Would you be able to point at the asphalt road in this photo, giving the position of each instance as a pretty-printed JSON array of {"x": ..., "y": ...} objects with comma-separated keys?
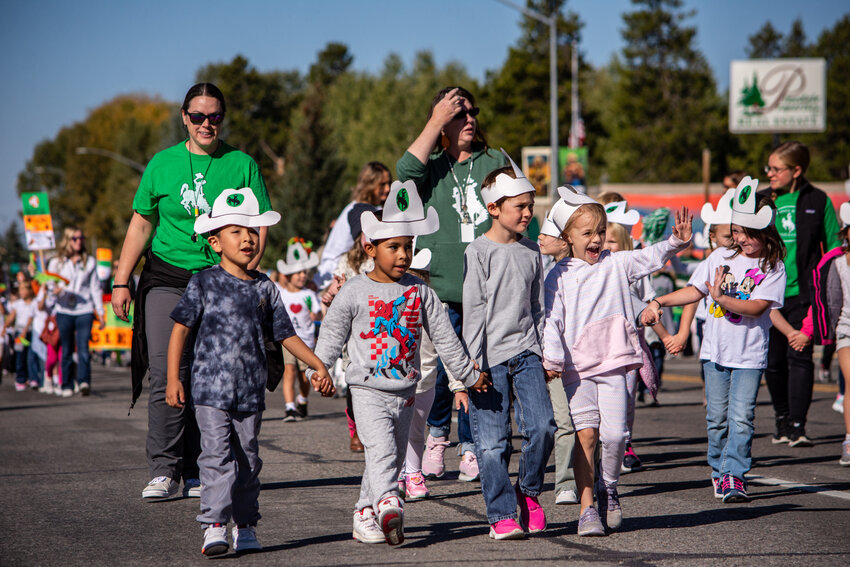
[{"x": 72, "y": 470}]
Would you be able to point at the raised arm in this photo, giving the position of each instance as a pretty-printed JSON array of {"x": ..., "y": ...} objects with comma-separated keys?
[{"x": 442, "y": 114}]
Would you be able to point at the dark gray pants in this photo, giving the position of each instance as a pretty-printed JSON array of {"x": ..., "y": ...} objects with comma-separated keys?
[
  {"x": 230, "y": 466},
  {"x": 174, "y": 442}
]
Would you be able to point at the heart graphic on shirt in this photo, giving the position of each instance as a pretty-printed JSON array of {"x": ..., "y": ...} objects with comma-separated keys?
[{"x": 295, "y": 307}]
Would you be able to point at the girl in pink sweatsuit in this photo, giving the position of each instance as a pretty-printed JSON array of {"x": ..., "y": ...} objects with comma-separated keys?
[{"x": 589, "y": 341}]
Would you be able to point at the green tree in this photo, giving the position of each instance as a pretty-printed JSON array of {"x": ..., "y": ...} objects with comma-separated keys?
[
  {"x": 12, "y": 248},
  {"x": 766, "y": 43},
  {"x": 515, "y": 98},
  {"x": 310, "y": 193},
  {"x": 833, "y": 146},
  {"x": 665, "y": 105}
]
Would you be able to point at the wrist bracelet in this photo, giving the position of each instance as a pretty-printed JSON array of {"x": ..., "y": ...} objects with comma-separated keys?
[
  {"x": 653, "y": 299},
  {"x": 126, "y": 286}
]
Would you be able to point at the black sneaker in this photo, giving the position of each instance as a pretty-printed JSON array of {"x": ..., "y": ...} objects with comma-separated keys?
[
  {"x": 291, "y": 415},
  {"x": 797, "y": 436},
  {"x": 734, "y": 490},
  {"x": 781, "y": 435},
  {"x": 301, "y": 409}
]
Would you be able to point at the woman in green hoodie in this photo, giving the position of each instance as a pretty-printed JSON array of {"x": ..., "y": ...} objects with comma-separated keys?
[{"x": 448, "y": 162}]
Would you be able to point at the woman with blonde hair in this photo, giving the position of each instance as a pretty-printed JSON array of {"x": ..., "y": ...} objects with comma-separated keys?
[{"x": 78, "y": 304}]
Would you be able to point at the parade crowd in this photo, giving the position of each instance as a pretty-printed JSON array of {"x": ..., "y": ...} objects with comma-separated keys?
[{"x": 428, "y": 298}]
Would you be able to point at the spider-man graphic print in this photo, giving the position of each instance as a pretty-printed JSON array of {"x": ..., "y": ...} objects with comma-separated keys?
[{"x": 395, "y": 330}]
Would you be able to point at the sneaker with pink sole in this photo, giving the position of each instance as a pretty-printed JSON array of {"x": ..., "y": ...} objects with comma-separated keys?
[
  {"x": 415, "y": 488},
  {"x": 531, "y": 512},
  {"x": 433, "y": 465},
  {"x": 468, "y": 467},
  {"x": 506, "y": 529}
]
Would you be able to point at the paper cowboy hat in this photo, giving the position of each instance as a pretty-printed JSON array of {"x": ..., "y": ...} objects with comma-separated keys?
[
  {"x": 235, "y": 206},
  {"x": 403, "y": 215},
  {"x": 722, "y": 214},
  {"x": 702, "y": 239},
  {"x": 552, "y": 228},
  {"x": 844, "y": 215},
  {"x": 617, "y": 213},
  {"x": 568, "y": 204},
  {"x": 507, "y": 186},
  {"x": 744, "y": 205},
  {"x": 298, "y": 258},
  {"x": 421, "y": 260}
]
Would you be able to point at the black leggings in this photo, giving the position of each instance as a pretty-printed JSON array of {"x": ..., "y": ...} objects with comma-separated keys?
[{"x": 790, "y": 375}]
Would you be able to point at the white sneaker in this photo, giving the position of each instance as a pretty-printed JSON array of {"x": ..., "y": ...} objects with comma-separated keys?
[
  {"x": 215, "y": 540},
  {"x": 47, "y": 388},
  {"x": 568, "y": 496},
  {"x": 838, "y": 404},
  {"x": 366, "y": 527},
  {"x": 65, "y": 393},
  {"x": 160, "y": 487},
  {"x": 192, "y": 489},
  {"x": 391, "y": 519},
  {"x": 245, "y": 539}
]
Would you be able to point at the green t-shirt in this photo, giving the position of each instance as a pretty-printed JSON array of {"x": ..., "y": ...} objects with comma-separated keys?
[
  {"x": 786, "y": 225},
  {"x": 437, "y": 185},
  {"x": 178, "y": 186}
]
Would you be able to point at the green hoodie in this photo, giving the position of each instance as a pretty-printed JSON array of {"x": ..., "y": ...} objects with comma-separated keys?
[{"x": 438, "y": 189}]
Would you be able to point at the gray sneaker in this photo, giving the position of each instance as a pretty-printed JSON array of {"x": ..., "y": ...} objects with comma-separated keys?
[
  {"x": 161, "y": 487},
  {"x": 589, "y": 523},
  {"x": 610, "y": 512},
  {"x": 245, "y": 539},
  {"x": 845, "y": 454}
]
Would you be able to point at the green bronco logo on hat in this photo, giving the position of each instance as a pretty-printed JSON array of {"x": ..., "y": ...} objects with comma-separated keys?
[
  {"x": 402, "y": 200},
  {"x": 745, "y": 194},
  {"x": 611, "y": 208},
  {"x": 235, "y": 200}
]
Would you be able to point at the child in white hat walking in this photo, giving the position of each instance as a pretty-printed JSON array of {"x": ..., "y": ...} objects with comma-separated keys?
[
  {"x": 232, "y": 309},
  {"x": 381, "y": 315}
]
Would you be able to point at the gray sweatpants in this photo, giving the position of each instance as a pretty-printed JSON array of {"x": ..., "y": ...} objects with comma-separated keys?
[
  {"x": 230, "y": 466},
  {"x": 565, "y": 438},
  {"x": 173, "y": 442},
  {"x": 383, "y": 425}
]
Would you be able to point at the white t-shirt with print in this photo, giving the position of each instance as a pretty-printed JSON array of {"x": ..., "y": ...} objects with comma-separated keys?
[
  {"x": 731, "y": 339},
  {"x": 299, "y": 305}
]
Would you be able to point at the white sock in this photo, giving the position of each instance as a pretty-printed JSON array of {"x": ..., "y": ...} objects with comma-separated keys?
[
  {"x": 301, "y": 399},
  {"x": 290, "y": 406},
  {"x": 847, "y": 438}
]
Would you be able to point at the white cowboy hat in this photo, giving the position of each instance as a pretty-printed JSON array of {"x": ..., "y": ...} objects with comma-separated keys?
[
  {"x": 421, "y": 260},
  {"x": 403, "y": 215},
  {"x": 297, "y": 259},
  {"x": 559, "y": 211},
  {"x": 567, "y": 205},
  {"x": 235, "y": 206},
  {"x": 744, "y": 205},
  {"x": 616, "y": 212},
  {"x": 507, "y": 186},
  {"x": 722, "y": 214},
  {"x": 844, "y": 214},
  {"x": 702, "y": 239}
]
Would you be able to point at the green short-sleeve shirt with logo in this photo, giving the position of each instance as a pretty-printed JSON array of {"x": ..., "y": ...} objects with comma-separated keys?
[{"x": 178, "y": 186}]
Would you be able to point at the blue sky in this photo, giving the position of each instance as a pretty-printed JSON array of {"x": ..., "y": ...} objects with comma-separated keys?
[{"x": 63, "y": 59}]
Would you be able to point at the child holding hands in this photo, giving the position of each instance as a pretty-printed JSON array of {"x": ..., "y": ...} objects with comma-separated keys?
[
  {"x": 232, "y": 309},
  {"x": 381, "y": 315},
  {"x": 589, "y": 341},
  {"x": 502, "y": 327}
]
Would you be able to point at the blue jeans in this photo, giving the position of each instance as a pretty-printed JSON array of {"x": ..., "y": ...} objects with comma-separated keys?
[
  {"x": 440, "y": 417},
  {"x": 731, "y": 395},
  {"x": 35, "y": 367},
  {"x": 75, "y": 330},
  {"x": 489, "y": 414},
  {"x": 21, "y": 367}
]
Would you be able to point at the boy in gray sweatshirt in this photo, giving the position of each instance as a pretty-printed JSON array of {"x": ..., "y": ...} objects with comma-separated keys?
[
  {"x": 502, "y": 328},
  {"x": 381, "y": 314}
]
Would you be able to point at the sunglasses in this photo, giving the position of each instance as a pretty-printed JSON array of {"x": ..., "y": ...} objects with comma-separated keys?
[
  {"x": 198, "y": 118},
  {"x": 463, "y": 113},
  {"x": 77, "y": 238},
  {"x": 771, "y": 169}
]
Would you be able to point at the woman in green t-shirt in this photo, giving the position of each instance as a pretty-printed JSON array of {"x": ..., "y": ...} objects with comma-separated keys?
[{"x": 179, "y": 183}]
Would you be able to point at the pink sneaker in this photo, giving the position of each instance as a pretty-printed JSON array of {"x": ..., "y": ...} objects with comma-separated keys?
[
  {"x": 20, "y": 387},
  {"x": 468, "y": 467},
  {"x": 414, "y": 487},
  {"x": 531, "y": 512},
  {"x": 506, "y": 529},
  {"x": 432, "y": 460}
]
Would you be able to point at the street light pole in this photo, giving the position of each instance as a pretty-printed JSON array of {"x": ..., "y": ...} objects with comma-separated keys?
[
  {"x": 552, "y": 22},
  {"x": 117, "y": 157}
]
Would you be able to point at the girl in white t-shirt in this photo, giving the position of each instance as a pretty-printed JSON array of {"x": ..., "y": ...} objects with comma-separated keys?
[
  {"x": 304, "y": 309},
  {"x": 744, "y": 282}
]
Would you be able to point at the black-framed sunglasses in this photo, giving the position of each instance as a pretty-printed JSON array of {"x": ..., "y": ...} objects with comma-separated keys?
[
  {"x": 771, "y": 169},
  {"x": 199, "y": 117},
  {"x": 463, "y": 113}
]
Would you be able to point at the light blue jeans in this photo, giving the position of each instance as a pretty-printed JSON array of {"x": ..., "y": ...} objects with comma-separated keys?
[
  {"x": 489, "y": 415},
  {"x": 731, "y": 395}
]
